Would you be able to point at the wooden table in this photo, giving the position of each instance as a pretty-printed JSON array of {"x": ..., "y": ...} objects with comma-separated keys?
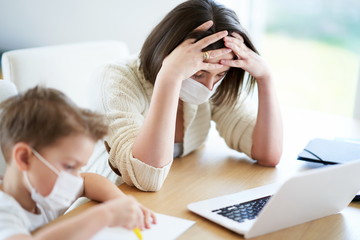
[{"x": 216, "y": 170}]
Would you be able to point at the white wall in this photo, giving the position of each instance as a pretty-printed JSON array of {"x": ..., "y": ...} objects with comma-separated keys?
[
  {"x": 32, "y": 23},
  {"x": 252, "y": 16},
  {"x": 357, "y": 99}
]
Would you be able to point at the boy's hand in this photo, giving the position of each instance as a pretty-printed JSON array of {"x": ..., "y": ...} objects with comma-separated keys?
[
  {"x": 149, "y": 216},
  {"x": 125, "y": 212}
]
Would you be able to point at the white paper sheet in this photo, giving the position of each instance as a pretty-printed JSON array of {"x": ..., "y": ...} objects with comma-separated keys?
[{"x": 167, "y": 228}]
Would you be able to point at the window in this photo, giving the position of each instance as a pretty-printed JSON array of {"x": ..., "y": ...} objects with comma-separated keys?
[{"x": 312, "y": 46}]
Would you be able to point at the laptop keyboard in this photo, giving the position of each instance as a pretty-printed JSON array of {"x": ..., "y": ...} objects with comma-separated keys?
[{"x": 243, "y": 211}]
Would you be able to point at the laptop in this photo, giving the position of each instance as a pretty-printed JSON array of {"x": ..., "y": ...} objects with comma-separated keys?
[{"x": 310, "y": 195}]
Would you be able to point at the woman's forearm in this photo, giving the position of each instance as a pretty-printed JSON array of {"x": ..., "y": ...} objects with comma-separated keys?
[
  {"x": 154, "y": 143},
  {"x": 268, "y": 131}
]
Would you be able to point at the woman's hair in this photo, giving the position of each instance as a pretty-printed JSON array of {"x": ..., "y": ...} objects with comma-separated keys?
[
  {"x": 41, "y": 116},
  {"x": 178, "y": 25}
]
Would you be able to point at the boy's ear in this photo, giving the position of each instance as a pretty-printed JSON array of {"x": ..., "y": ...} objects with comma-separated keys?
[{"x": 21, "y": 156}]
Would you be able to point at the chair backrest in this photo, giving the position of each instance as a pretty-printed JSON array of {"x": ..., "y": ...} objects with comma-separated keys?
[
  {"x": 7, "y": 89},
  {"x": 68, "y": 68}
]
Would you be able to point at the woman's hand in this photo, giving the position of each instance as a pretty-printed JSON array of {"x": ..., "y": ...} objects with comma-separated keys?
[
  {"x": 187, "y": 58},
  {"x": 246, "y": 58},
  {"x": 268, "y": 132}
]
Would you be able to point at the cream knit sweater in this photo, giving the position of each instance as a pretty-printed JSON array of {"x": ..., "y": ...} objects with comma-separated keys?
[{"x": 126, "y": 97}]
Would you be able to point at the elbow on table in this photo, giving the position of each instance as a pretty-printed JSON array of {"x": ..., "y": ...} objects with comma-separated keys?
[
  {"x": 148, "y": 177},
  {"x": 271, "y": 162},
  {"x": 268, "y": 158},
  {"x": 148, "y": 188}
]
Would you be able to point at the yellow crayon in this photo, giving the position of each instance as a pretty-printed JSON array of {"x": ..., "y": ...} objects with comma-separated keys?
[{"x": 137, "y": 231}]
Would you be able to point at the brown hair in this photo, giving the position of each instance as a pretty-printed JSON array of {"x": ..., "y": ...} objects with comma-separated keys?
[
  {"x": 40, "y": 116},
  {"x": 178, "y": 25}
]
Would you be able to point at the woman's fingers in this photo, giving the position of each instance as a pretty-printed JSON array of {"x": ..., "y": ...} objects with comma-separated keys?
[
  {"x": 205, "y": 26},
  {"x": 208, "y": 65},
  {"x": 218, "y": 52},
  {"x": 237, "y": 46},
  {"x": 233, "y": 63},
  {"x": 211, "y": 66},
  {"x": 202, "y": 28},
  {"x": 238, "y": 36},
  {"x": 203, "y": 43}
]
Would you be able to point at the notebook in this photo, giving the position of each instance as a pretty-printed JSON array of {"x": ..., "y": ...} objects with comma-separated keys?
[
  {"x": 330, "y": 151},
  {"x": 310, "y": 195},
  {"x": 167, "y": 228}
]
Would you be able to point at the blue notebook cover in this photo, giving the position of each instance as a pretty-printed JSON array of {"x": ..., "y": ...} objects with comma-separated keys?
[{"x": 330, "y": 151}]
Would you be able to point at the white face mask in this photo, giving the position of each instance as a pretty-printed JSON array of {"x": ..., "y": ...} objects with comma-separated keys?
[
  {"x": 66, "y": 189},
  {"x": 196, "y": 93}
]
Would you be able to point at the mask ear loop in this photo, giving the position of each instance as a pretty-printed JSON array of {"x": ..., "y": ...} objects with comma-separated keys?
[
  {"x": 27, "y": 181},
  {"x": 32, "y": 189},
  {"x": 43, "y": 160}
]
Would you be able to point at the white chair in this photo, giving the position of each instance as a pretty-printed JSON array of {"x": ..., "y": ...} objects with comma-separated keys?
[
  {"x": 7, "y": 89},
  {"x": 64, "y": 67},
  {"x": 68, "y": 68}
]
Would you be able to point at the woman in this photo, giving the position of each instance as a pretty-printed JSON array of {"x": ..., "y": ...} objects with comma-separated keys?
[{"x": 159, "y": 106}]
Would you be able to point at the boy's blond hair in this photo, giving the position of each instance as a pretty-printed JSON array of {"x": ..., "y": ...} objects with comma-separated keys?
[{"x": 40, "y": 116}]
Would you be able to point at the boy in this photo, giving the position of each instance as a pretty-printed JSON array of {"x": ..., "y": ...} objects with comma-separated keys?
[{"x": 45, "y": 140}]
